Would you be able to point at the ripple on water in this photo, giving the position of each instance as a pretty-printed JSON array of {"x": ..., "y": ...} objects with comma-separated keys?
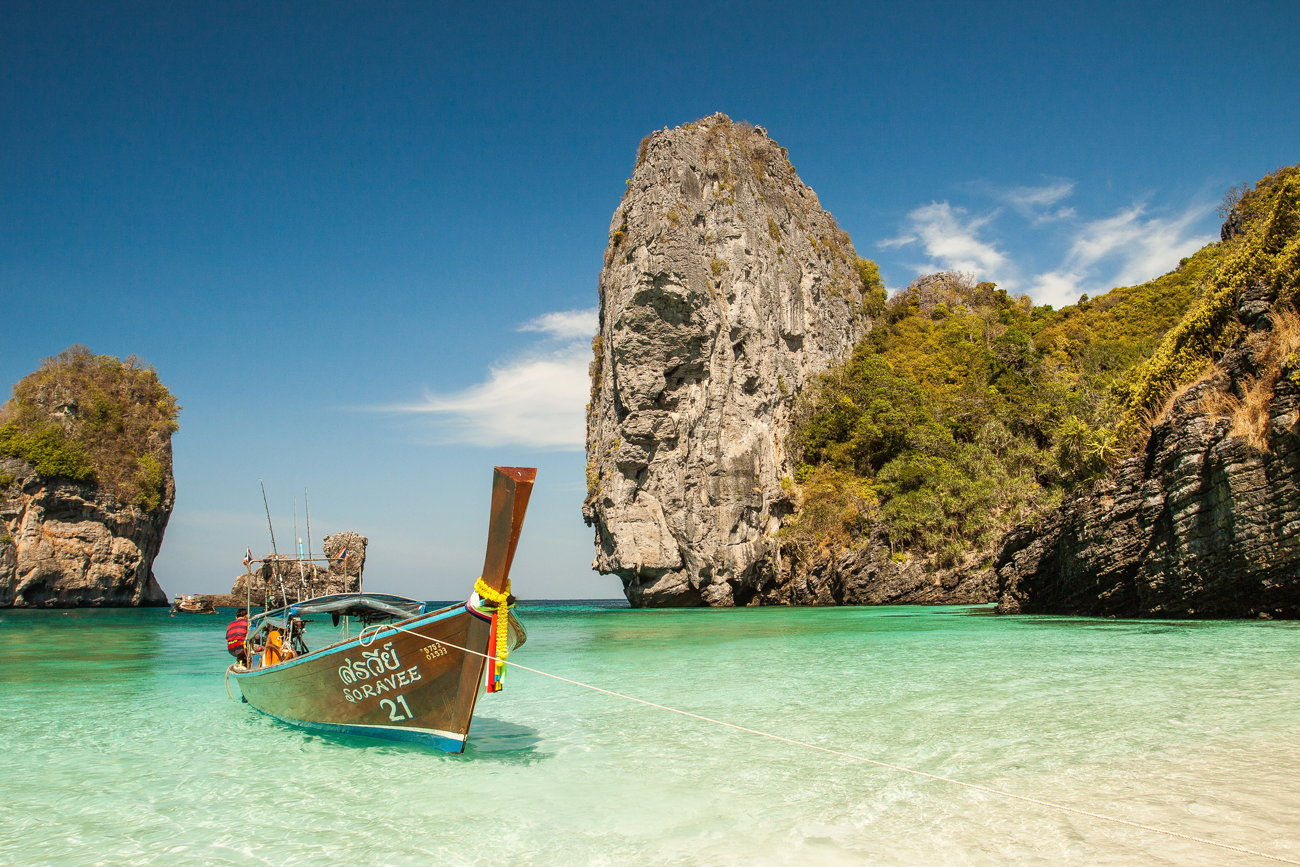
[{"x": 122, "y": 748}]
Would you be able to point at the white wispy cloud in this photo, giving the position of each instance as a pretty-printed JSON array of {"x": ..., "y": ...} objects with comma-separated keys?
[
  {"x": 537, "y": 401},
  {"x": 1121, "y": 250},
  {"x": 1059, "y": 288},
  {"x": 1035, "y": 203},
  {"x": 565, "y": 324},
  {"x": 1131, "y": 246},
  {"x": 1041, "y": 197},
  {"x": 951, "y": 239}
]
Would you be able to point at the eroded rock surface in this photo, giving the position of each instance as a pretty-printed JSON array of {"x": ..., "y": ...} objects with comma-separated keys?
[
  {"x": 1203, "y": 523},
  {"x": 65, "y": 543},
  {"x": 868, "y": 575},
  {"x": 726, "y": 287}
]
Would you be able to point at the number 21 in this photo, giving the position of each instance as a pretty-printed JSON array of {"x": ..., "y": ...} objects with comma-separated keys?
[{"x": 392, "y": 708}]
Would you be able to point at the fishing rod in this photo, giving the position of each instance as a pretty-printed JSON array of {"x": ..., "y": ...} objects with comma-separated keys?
[
  {"x": 302, "y": 580},
  {"x": 274, "y": 550}
]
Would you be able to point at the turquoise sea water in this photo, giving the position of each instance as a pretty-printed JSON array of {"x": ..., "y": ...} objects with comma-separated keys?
[{"x": 120, "y": 745}]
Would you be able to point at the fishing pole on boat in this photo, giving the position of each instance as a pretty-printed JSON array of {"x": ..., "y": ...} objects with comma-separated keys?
[
  {"x": 302, "y": 578},
  {"x": 274, "y": 550},
  {"x": 306, "y": 507}
]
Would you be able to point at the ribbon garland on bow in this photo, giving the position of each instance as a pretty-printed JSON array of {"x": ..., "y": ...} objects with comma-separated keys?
[{"x": 496, "y": 670}]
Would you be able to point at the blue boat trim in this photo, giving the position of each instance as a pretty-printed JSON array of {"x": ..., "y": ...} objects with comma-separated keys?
[{"x": 446, "y": 741}]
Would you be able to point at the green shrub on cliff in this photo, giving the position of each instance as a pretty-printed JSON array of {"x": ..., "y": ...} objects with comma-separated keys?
[
  {"x": 48, "y": 447},
  {"x": 1265, "y": 252},
  {"x": 965, "y": 409},
  {"x": 94, "y": 417}
]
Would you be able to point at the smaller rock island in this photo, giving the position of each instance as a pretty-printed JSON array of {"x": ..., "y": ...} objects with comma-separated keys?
[
  {"x": 86, "y": 485},
  {"x": 282, "y": 579}
]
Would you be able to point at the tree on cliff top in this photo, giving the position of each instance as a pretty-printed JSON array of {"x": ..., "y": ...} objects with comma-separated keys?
[{"x": 94, "y": 418}]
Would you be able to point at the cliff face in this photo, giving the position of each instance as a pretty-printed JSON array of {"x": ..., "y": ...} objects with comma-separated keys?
[
  {"x": 66, "y": 543},
  {"x": 1205, "y": 520},
  {"x": 726, "y": 287}
]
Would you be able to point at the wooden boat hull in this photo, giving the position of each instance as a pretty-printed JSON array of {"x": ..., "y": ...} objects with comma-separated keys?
[{"x": 402, "y": 685}]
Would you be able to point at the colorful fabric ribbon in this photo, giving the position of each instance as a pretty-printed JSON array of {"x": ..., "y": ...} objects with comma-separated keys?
[{"x": 499, "y": 634}]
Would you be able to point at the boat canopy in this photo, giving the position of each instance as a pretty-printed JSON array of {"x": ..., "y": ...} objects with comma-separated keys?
[{"x": 367, "y": 607}]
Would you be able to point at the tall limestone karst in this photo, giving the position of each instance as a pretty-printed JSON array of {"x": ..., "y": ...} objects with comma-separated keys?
[
  {"x": 726, "y": 287},
  {"x": 86, "y": 484}
]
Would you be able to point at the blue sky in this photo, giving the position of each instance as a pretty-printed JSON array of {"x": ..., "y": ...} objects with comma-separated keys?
[{"x": 360, "y": 242}]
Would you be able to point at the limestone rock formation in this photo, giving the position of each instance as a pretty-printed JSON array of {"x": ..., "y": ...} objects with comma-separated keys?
[
  {"x": 1205, "y": 522},
  {"x": 283, "y": 577},
  {"x": 726, "y": 287},
  {"x": 86, "y": 485},
  {"x": 868, "y": 575},
  {"x": 68, "y": 543}
]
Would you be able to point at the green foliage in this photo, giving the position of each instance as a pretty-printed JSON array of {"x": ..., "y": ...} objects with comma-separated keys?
[
  {"x": 94, "y": 417},
  {"x": 874, "y": 294},
  {"x": 948, "y": 505},
  {"x": 6, "y": 479},
  {"x": 48, "y": 448},
  {"x": 595, "y": 370},
  {"x": 1291, "y": 367},
  {"x": 717, "y": 266},
  {"x": 1084, "y": 452},
  {"x": 773, "y": 230},
  {"x": 837, "y": 510},
  {"x": 151, "y": 478},
  {"x": 1267, "y": 253},
  {"x": 966, "y": 409}
]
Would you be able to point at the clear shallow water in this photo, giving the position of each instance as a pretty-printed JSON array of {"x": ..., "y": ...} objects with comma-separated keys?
[{"x": 121, "y": 747}]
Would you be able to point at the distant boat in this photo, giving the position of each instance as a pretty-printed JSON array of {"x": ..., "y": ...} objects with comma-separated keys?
[
  {"x": 406, "y": 676},
  {"x": 193, "y": 605}
]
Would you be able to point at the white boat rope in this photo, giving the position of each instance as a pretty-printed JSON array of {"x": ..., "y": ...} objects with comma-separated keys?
[{"x": 978, "y": 788}]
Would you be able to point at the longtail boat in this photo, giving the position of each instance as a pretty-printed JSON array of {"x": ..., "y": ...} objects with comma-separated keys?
[
  {"x": 193, "y": 605},
  {"x": 407, "y": 676}
]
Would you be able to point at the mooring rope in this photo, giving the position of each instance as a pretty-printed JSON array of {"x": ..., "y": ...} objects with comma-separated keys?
[{"x": 973, "y": 786}]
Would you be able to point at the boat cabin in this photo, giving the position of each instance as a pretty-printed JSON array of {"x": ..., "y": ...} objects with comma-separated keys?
[{"x": 277, "y": 635}]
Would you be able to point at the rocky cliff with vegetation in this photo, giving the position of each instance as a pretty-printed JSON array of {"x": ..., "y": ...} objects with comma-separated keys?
[
  {"x": 726, "y": 289},
  {"x": 1203, "y": 518},
  {"x": 766, "y": 429},
  {"x": 86, "y": 484},
  {"x": 1133, "y": 454},
  {"x": 964, "y": 412}
]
